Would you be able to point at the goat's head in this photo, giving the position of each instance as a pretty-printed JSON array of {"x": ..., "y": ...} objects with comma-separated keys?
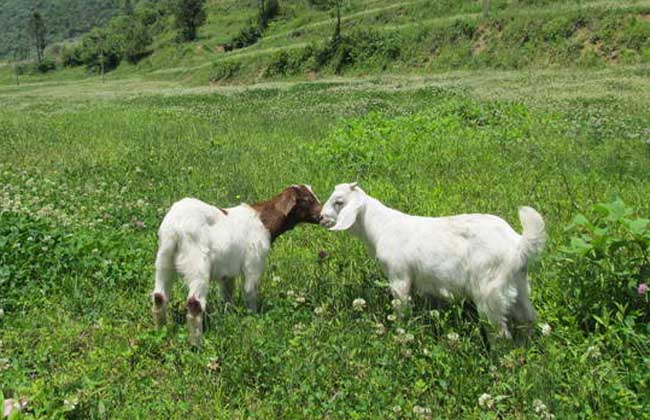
[
  {"x": 303, "y": 204},
  {"x": 341, "y": 209}
]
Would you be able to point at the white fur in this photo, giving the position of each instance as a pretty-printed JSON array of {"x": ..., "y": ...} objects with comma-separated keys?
[
  {"x": 477, "y": 256},
  {"x": 201, "y": 243}
]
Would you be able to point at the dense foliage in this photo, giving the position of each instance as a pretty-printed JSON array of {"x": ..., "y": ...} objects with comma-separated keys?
[
  {"x": 188, "y": 16},
  {"x": 64, "y": 19}
]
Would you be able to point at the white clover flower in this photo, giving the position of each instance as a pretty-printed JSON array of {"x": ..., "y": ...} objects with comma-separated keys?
[
  {"x": 319, "y": 310},
  {"x": 539, "y": 406},
  {"x": 546, "y": 329},
  {"x": 400, "y": 331},
  {"x": 396, "y": 304},
  {"x": 453, "y": 337},
  {"x": 71, "y": 403},
  {"x": 291, "y": 293},
  {"x": 4, "y": 364},
  {"x": 380, "y": 329},
  {"x": 434, "y": 314},
  {"x": 298, "y": 328},
  {"x": 397, "y": 409},
  {"x": 300, "y": 299},
  {"x": 593, "y": 352},
  {"x": 391, "y": 317},
  {"x": 359, "y": 304},
  {"x": 486, "y": 401},
  {"x": 213, "y": 364},
  {"x": 408, "y": 338},
  {"x": 275, "y": 279}
]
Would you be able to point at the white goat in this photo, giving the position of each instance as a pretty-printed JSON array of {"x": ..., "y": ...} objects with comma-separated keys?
[
  {"x": 202, "y": 243},
  {"x": 478, "y": 256}
]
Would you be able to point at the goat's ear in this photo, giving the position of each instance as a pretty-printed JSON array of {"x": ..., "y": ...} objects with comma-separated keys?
[
  {"x": 287, "y": 202},
  {"x": 347, "y": 216}
]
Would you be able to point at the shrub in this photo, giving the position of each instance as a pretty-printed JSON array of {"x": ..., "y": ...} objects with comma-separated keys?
[
  {"x": 46, "y": 65},
  {"x": 605, "y": 261}
]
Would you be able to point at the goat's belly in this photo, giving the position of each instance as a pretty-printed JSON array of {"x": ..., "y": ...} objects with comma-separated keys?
[
  {"x": 225, "y": 265},
  {"x": 437, "y": 287}
]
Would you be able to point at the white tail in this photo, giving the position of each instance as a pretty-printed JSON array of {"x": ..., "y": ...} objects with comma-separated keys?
[{"x": 534, "y": 234}]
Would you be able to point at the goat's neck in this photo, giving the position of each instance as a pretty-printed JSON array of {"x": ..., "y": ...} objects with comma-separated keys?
[{"x": 372, "y": 221}]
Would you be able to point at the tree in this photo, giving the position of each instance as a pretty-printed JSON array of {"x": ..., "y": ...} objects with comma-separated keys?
[
  {"x": 127, "y": 8},
  {"x": 36, "y": 30},
  {"x": 189, "y": 15}
]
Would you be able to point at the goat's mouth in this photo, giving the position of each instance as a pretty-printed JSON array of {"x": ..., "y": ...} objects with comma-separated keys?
[{"x": 328, "y": 223}]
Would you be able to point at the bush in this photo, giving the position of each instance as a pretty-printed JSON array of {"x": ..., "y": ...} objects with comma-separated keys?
[
  {"x": 71, "y": 56},
  {"x": 605, "y": 262},
  {"x": 246, "y": 37},
  {"x": 46, "y": 65}
]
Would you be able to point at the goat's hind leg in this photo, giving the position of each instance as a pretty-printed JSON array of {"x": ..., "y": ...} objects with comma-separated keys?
[
  {"x": 165, "y": 272},
  {"x": 196, "y": 272}
]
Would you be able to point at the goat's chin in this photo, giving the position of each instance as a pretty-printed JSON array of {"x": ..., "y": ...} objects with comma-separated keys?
[{"x": 327, "y": 223}]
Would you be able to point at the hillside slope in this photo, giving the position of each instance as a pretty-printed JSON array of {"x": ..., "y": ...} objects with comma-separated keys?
[
  {"x": 382, "y": 36},
  {"x": 64, "y": 19}
]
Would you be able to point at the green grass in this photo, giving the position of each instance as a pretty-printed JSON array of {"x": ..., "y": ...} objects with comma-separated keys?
[{"x": 81, "y": 163}]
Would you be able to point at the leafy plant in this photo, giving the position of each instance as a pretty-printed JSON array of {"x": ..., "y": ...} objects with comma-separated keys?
[{"x": 605, "y": 262}]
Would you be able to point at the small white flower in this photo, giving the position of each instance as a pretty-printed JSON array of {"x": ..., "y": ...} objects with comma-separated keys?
[
  {"x": 71, "y": 403},
  {"x": 396, "y": 304},
  {"x": 546, "y": 329},
  {"x": 539, "y": 406},
  {"x": 380, "y": 329},
  {"x": 391, "y": 317},
  {"x": 397, "y": 409},
  {"x": 453, "y": 337},
  {"x": 434, "y": 314},
  {"x": 298, "y": 328},
  {"x": 291, "y": 293},
  {"x": 319, "y": 310},
  {"x": 593, "y": 352},
  {"x": 275, "y": 279},
  {"x": 213, "y": 364},
  {"x": 400, "y": 331},
  {"x": 486, "y": 401},
  {"x": 359, "y": 304},
  {"x": 418, "y": 410},
  {"x": 300, "y": 299},
  {"x": 4, "y": 364}
]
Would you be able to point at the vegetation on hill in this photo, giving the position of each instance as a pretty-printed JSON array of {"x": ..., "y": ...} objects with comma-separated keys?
[
  {"x": 64, "y": 19},
  {"x": 244, "y": 42}
]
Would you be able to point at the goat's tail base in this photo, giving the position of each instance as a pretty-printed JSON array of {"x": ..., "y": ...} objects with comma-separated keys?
[{"x": 533, "y": 237}]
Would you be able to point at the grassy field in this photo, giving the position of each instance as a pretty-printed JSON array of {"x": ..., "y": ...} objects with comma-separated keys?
[{"x": 87, "y": 170}]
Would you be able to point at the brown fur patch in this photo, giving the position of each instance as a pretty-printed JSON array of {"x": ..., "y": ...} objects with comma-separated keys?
[
  {"x": 296, "y": 204},
  {"x": 159, "y": 299},
  {"x": 194, "y": 306}
]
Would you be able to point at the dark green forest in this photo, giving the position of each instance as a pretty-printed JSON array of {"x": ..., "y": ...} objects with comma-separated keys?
[{"x": 64, "y": 19}]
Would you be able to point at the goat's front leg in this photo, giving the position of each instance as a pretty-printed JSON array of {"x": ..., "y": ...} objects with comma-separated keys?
[
  {"x": 253, "y": 273},
  {"x": 400, "y": 287}
]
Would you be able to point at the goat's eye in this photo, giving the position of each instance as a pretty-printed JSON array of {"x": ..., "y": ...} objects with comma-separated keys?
[{"x": 338, "y": 203}]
